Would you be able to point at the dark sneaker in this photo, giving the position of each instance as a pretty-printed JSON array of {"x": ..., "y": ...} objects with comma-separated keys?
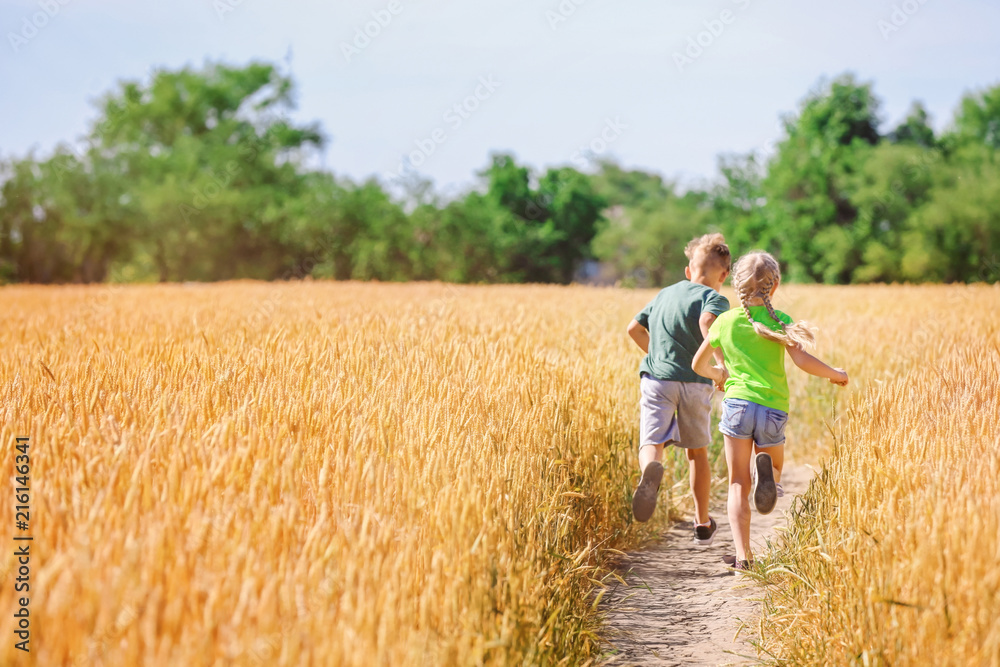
[
  {"x": 644, "y": 500},
  {"x": 764, "y": 492},
  {"x": 705, "y": 534},
  {"x": 737, "y": 565}
]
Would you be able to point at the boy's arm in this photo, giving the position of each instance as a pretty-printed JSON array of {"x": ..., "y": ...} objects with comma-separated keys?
[
  {"x": 705, "y": 323},
  {"x": 639, "y": 334},
  {"x": 702, "y": 364},
  {"x": 814, "y": 366}
]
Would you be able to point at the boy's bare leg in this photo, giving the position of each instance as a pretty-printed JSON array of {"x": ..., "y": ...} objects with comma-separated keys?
[
  {"x": 738, "y": 455},
  {"x": 701, "y": 481},
  {"x": 644, "y": 498},
  {"x": 648, "y": 454}
]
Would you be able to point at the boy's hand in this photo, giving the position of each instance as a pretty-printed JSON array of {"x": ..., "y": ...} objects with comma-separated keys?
[{"x": 842, "y": 380}]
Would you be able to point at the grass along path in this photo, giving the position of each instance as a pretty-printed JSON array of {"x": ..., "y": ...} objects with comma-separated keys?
[{"x": 681, "y": 606}]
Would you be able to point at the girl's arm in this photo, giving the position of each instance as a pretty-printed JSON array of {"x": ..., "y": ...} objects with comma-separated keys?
[
  {"x": 814, "y": 366},
  {"x": 702, "y": 365}
]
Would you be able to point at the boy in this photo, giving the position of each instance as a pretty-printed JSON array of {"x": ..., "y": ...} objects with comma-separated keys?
[{"x": 670, "y": 329}]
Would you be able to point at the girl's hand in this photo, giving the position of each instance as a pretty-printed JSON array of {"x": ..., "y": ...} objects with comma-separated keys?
[
  {"x": 842, "y": 380},
  {"x": 723, "y": 375}
]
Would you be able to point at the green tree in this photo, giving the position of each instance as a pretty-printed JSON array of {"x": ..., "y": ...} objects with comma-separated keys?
[
  {"x": 62, "y": 219},
  {"x": 740, "y": 207},
  {"x": 915, "y": 129},
  {"x": 552, "y": 226},
  {"x": 807, "y": 184},
  {"x": 213, "y": 163},
  {"x": 645, "y": 244},
  {"x": 956, "y": 235},
  {"x": 575, "y": 211},
  {"x": 978, "y": 120},
  {"x": 628, "y": 187},
  {"x": 894, "y": 181},
  {"x": 472, "y": 239}
]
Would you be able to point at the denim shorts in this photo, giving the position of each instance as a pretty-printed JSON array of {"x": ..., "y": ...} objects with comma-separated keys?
[{"x": 746, "y": 419}]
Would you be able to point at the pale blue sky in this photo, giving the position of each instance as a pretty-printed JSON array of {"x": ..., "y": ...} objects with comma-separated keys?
[{"x": 559, "y": 82}]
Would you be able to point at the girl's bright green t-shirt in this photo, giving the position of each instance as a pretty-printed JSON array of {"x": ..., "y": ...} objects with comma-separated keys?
[{"x": 756, "y": 365}]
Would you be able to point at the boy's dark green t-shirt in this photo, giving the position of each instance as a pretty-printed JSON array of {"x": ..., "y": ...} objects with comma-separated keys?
[{"x": 674, "y": 335}]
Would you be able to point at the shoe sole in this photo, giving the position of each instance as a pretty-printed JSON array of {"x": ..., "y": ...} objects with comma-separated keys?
[
  {"x": 644, "y": 500},
  {"x": 765, "y": 493},
  {"x": 708, "y": 540},
  {"x": 705, "y": 543}
]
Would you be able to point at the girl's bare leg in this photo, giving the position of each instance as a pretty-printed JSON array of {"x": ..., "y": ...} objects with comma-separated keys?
[
  {"x": 738, "y": 454},
  {"x": 777, "y": 453}
]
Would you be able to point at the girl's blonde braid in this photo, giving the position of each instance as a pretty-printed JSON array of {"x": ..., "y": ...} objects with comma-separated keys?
[
  {"x": 796, "y": 335},
  {"x": 766, "y": 296},
  {"x": 755, "y": 275},
  {"x": 743, "y": 292},
  {"x": 744, "y": 297}
]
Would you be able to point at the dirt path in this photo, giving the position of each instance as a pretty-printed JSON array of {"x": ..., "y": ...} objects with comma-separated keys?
[{"x": 682, "y": 606}]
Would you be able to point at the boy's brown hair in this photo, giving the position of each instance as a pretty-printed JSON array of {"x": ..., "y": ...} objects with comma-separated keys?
[{"x": 709, "y": 251}]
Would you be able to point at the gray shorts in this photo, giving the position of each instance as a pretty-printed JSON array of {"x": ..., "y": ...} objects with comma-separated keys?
[{"x": 675, "y": 413}]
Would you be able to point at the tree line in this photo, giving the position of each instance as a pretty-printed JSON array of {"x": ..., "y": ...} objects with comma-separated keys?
[{"x": 198, "y": 174}]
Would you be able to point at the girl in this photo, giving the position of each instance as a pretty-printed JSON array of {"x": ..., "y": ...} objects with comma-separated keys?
[{"x": 755, "y": 409}]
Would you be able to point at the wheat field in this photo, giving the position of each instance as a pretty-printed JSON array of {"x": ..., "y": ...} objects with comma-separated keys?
[
  {"x": 892, "y": 557},
  {"x": 318, "y": 473},
  {"x": 358, "y": 474}
]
